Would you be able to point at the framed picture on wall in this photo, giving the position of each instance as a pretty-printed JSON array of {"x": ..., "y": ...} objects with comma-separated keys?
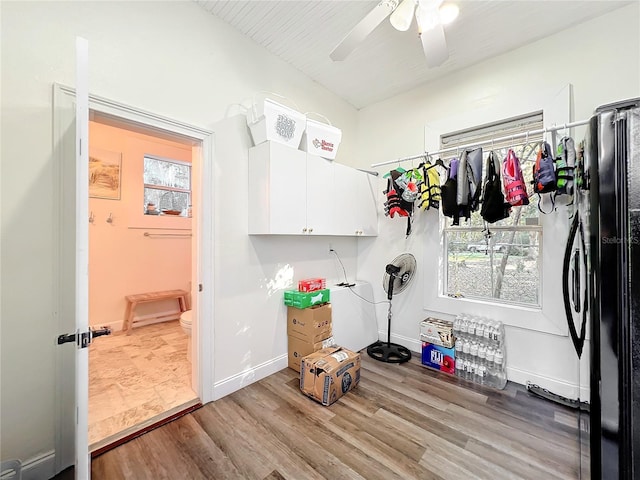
[{"x": 105, "y": 171}]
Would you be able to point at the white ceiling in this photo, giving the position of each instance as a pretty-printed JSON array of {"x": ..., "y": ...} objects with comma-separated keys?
[{"x": 389, "y": 62}]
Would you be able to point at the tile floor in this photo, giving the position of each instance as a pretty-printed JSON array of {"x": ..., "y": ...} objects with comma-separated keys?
[{"x": 137, "y": 377}]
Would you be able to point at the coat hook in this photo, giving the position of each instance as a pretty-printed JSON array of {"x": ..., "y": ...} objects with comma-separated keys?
[
  {"x": 91, "y": 217},
  {"x": 110, "y": 219}
]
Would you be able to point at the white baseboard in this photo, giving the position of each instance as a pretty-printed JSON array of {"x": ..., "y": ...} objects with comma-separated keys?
[
  {"x": 561, "y": 387},
  {"x": 242, "y": 379},
  {"x": 39, "y": 467},
  {"x": 410, "y": 343}
]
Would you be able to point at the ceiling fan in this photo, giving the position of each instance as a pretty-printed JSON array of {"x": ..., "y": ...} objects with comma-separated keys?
[{"x": 431, "y": 16}]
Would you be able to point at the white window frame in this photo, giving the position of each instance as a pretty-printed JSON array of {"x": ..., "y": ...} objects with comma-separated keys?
[
  {"x": 556, "y": 107},
  {"x": 162, "y": 187},
  {"x": 497, "y": 129}
]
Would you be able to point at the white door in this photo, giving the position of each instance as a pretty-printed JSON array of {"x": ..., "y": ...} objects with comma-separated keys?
[
  {"x": 82, "y": 460},
  {"x": 72, "y": 116}
]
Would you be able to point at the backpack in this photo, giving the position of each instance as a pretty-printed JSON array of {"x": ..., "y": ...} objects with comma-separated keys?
[
  {"x": 449, "y": 193},
  {"x": 544, "y": 173},
  {"x": 513, "y": 181},
  {"x": 429, "y": 187},
  {"x": 494, "y": 207},
  {"x": 565, "y": 164}
]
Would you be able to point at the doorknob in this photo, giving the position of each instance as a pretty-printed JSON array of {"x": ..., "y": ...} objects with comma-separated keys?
[{"x": 83, "y": 339}]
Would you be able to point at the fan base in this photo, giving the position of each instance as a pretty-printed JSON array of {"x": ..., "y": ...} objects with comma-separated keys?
[{"x": 389, "y": 352}]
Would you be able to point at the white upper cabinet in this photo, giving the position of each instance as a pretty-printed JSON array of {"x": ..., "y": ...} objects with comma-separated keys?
[{"x": 295, "y": 193}]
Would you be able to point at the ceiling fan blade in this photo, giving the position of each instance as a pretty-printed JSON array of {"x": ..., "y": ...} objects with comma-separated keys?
[
  {"x": 434, "y": 45},
  {"x": 362, "y": 30}
]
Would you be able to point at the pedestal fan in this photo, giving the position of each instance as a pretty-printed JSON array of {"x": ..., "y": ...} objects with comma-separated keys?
[{"x": 397, "y": 276}]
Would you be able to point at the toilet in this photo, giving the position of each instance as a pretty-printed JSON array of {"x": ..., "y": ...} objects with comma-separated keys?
[{"x": 185, "y": 323}]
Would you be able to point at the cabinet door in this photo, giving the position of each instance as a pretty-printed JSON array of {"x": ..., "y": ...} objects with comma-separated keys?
[
  {"x": 345, "y": 196},
  {"x": 367, "y": 204},
  {"x": 320, "y": 201},
  {"x": 277, "y": 190}
]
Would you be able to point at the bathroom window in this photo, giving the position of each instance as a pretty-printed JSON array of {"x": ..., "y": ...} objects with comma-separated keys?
[
  {"x": 499, "y": 262},
  {"x": 167, "y": 186}
]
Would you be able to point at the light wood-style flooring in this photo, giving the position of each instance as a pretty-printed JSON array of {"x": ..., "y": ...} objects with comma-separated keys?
[
  {"x": 402, "y": 422},
  {"x": 135, "y": 378}
]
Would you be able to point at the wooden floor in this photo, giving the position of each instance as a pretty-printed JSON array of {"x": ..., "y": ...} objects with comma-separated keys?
[{"x": 402, "y": 422}]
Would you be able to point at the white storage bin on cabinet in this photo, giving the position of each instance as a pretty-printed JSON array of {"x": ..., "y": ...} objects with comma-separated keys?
[
  {"x": 270, "y": 120},
  {"x": 322, "y": 139}
]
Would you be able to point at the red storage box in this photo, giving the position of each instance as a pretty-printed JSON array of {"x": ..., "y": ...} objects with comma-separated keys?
[{"x": 311, "y": 284}]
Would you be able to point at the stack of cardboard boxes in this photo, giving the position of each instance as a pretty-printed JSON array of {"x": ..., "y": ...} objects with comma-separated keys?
[
  {"x": 437, "y": 345},
  {"x": 327, "y": 371}
]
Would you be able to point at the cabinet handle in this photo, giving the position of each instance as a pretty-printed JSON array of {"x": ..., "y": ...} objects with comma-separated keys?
[
  {"x": 310, "y": 230},
  {"x": 304, "y": 230}
]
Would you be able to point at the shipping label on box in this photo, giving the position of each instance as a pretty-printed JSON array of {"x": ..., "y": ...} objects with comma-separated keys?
[
  {"x": 309, "y": 324},
  {"x": 299, "y": 348},
  {"x": 438, "y": 332},
  {"x": 439, "y": 357},
  {"x": 294, "y": 298},
  {"x": 328, "y": 374}
]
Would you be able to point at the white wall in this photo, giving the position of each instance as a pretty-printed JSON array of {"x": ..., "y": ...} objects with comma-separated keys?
[
  {"x": 168, "y": 58},
  {"x": 600, "y": 59}
]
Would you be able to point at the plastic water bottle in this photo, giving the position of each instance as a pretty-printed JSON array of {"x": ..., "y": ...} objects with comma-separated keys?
[
  {"x": 480, "y": 328},
  {"x": 482, "y": 354},
  {"x": 463, "y": 327},
  {"x": 490, "y": 356},
  {"x": 471, "y": 328},
  {"x": 500, "y": 380},
  {"x": 473, "y": 371},
  {"x": 466, "y": 350},
  {"x": 459, "y": 368},
  {"x": 456, "y": 326},
  {"x": 482, "y": 375},
  {"x": 498, "y": 334},
  {"x": 459, "y": 352},
  {"x": 467, "y": 369},
  {"x": 487, "y": 331},
  {"x": 473, "y": 352},
  {"x": 499, "y": 361}
]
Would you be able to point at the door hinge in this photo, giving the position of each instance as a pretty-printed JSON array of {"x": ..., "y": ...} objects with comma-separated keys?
[{"x": 83, "y": 339}]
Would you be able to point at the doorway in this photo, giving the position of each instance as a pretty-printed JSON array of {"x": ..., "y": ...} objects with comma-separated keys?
[
  {"x": 111, "y": 113},
  {"x": 141, "y": 186}
]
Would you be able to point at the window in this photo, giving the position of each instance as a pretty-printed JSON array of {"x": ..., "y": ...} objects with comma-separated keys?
[
  {"x": 500, "y": 262},
  {"x": 167, "y": 186}
]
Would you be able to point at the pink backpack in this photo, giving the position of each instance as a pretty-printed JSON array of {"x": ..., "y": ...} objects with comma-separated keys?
[{"x": 514, "y": 187}]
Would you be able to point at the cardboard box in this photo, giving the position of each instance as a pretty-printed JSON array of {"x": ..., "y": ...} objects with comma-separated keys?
[
  {"x": 437, "y": 332},
  {"x": 294, "y": 298},
  {"x": 300, "y": 348},
  {"x": 311, "y": 325},
  {"x": 312, "y": 284},
  {"x": 328, "y": 374},
  {"x": 439, "y": 357}
]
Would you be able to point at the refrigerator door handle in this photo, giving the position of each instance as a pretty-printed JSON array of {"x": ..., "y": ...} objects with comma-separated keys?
[{"x": 575, "y": 280}]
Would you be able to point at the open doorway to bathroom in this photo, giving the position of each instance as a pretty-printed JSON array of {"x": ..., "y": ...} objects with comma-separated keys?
[{"x": 143, "y": 189}]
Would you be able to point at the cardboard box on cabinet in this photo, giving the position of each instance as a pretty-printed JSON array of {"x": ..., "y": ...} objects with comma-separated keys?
[
  {"x": 309, "y": 324},
  {"x": 439, "y": 357},
  {"x": 299, "y": 348},
  {"x": 294, "y": 298},
  {"x": 330, "y": 373},
  {"x": 437, "y": 332}
]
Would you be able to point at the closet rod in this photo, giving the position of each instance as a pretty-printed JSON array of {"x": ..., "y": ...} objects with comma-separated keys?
[{"x": 484, "y": 142}]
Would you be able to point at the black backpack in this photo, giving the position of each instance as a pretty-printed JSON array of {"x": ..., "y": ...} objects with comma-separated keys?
[
  {"x": 494, "y": 207},
  {"x": 449, "y": 194}
]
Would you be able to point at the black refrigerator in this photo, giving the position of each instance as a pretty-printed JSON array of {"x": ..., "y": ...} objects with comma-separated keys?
[{"x": 602, "y": 291}]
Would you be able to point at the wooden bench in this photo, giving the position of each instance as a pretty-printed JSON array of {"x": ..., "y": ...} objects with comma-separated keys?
[{"x": 134, "y": 300}]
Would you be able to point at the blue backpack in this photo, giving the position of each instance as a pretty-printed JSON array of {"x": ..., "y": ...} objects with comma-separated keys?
[{"x": 544, "y": 172}]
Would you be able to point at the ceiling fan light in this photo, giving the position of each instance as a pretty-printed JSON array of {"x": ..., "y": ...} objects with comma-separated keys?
[
  {"x": 427, "y": 18},
  {"x": 403, "y": 15},
  {"x": 448, "y": 13}
]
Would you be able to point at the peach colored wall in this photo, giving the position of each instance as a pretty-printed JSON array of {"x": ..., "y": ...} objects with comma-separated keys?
[{"x": 122, "y": 261}]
